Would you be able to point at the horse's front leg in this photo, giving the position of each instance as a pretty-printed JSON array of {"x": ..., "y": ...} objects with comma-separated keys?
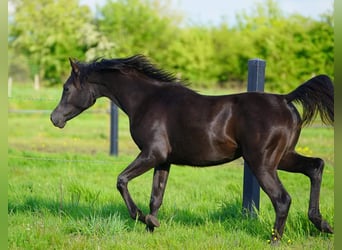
[
  {"x": 140, "y": 165},
  {"x": 160, "y": 177}
]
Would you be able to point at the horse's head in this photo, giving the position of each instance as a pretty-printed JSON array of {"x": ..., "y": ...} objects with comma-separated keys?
[{"x": 77, "y": 96}]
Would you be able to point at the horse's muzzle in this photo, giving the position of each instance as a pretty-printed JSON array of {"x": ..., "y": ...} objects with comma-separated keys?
[{"x": 57, "y": 120}]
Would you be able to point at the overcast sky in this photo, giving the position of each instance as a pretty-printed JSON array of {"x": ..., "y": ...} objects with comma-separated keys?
[{"x": 211, "y": 11}]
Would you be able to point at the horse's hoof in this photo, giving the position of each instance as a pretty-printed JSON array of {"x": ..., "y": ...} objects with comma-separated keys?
[
  {"x": 151, "y": 221},
  {"x": 326, "y": 228},
  {"x": 275, "y": 238},
  {"x": 149, "y": 229},
  {"x": 273, "y": 241}
]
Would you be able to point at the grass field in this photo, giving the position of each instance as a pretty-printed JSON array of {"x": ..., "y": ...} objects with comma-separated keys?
[{"x": 62, "y": 190}]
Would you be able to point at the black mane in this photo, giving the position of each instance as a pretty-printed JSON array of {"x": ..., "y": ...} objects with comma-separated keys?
[{"x": 139, "y": 63}]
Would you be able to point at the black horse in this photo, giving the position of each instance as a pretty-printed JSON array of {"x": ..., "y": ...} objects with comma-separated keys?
[{"x": 172, "y": 124}]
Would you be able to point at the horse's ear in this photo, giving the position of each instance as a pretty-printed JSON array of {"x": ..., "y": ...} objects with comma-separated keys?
[
  {"x": 76, "y": 71},
  {"x": 74, "y": 66}
]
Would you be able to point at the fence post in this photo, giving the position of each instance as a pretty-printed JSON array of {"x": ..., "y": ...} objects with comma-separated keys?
[
  {"x": 114, "y": 126},
  {"x": 36, "y": 84},
  {"x": 10, "y": 83},
  {"x": 251, "y": 188}
]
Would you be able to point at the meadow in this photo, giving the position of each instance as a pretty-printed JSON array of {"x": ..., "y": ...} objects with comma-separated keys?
[{"x": 62, "y": 189}]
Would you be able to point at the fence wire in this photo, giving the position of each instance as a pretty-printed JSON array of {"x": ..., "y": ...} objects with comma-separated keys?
[
  {"x": 39, "y": 99},
  {"x": 59, "y": 160},
  {"x": 47, "y": 111}
]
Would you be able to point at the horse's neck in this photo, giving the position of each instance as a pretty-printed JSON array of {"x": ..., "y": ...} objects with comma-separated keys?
[{"x": 129, "y": 94}]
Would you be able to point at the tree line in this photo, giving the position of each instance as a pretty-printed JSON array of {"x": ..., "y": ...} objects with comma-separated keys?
[{"x": 43, "y": 34}]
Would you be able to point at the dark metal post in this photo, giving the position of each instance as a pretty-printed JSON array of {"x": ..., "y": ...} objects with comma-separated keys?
[
  {"x": 114, "y": 126},
  {"x": 251, "y": 188}
]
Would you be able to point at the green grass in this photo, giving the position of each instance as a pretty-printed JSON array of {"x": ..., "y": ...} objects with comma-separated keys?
[{"x": 62, "y": 191}]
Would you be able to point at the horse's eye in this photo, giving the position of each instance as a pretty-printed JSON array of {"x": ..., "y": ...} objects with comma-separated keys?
[{"x": 66, "y": 88}]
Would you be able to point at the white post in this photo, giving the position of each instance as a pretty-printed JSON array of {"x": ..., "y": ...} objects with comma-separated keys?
[
  {"x": 36, "y": 82},
  {"x": 9, "y": 90}
]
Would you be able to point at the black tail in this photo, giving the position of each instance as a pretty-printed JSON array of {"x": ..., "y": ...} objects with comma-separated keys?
[{"x": 317, "y": 96}]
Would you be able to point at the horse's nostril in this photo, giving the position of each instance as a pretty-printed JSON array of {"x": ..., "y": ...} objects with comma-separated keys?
[{"x": 57, "y": 120}]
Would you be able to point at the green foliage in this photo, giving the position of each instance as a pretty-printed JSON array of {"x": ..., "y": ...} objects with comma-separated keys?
[
  {"x": 137, "y": 26},
  {"x": 47, "y": 33},
  {"x": 295, "y": 48},
  {"x": 43, "y": 34},
  {"x": 192, "y": 55}
]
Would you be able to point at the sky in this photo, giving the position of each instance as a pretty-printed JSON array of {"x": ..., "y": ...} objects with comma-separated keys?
[{"x": 212, "y": 11}]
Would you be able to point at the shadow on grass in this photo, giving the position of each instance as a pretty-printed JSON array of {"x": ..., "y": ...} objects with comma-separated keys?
[
  {"x": 228, "y": 215},
  {"x": 56, "y": 208}
]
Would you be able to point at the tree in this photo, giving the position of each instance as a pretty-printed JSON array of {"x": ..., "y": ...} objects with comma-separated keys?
[
  {"x": 138, "y": 26},
  {"x": 190, "y": 54},
  {"x": 47, "y": 32},
  {"x": 295, "y": 47}
]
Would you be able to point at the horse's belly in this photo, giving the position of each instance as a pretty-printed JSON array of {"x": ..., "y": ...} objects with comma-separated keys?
[{"x": 204, "y": 153}]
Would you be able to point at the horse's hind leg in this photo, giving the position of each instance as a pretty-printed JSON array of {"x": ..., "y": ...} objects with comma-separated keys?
[
  {"x": 264, "y": 167},
  {"x": 281, "y": 200},
  {"x": 313, "y": 168}
]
